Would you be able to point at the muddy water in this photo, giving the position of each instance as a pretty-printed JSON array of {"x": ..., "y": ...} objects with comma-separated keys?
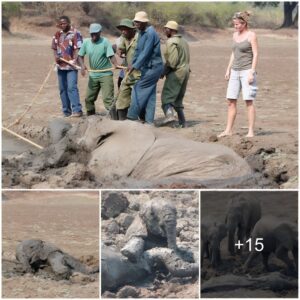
[{"x": 13, "y": 145}]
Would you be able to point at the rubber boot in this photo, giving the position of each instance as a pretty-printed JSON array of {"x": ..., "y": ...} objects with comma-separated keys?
[
  {"x": 91, "y": 112},
  {"x": 181, "y": 118},
  {"x": 169, "y": 113},
  {"x": 122, "y": 114},
  {"x": 113, "y": 113}
]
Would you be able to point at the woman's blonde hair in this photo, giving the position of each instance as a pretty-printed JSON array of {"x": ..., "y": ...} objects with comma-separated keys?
[{"x": 243, "y": 16}]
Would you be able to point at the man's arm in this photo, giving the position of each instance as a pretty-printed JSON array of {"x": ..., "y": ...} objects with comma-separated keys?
[
  {"x": 146, "y": 52},
  {"x": 82, "y": 65}
]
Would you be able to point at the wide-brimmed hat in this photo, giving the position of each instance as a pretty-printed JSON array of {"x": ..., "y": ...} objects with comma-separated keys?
[
  {"x": 172, "y": 25},
  {"x": 95, "y": 28},
  {"x": 126, "y": 23},
  {"x": 141, "y": 16}
]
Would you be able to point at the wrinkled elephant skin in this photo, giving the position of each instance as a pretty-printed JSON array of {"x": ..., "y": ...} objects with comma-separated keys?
[{"x": 129, "y": 149}]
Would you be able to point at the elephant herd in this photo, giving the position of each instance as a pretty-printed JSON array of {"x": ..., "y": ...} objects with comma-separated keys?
[{"x": 243, "y": 221}]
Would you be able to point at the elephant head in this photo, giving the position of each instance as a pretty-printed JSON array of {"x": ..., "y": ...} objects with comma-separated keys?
[{"x": 160, "y": 217}]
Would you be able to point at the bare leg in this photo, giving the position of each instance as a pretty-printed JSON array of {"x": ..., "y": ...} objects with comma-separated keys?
[
  {"x": 231, "y": 114},
  {"x": 251, "y": 117}
]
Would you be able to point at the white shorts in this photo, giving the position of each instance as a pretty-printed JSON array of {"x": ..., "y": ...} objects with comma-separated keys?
[{"x": 239, "y": 80}]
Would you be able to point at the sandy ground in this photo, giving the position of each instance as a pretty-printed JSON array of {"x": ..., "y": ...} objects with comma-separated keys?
[
  {"x": 27, "y": 59},
  {"x": 69, "y": 220},
  {"x": 283, "y": 205}
]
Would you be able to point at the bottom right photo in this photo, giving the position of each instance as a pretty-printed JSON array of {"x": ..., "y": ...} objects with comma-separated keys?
[{"x": 249, "y": 244}]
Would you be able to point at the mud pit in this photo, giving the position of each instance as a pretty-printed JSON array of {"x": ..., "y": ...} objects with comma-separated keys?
[
  {"x": 89, "y": 154},
  {"x": 136, "y": 277},
  {"x": 228, "y": 279},
  {"x": 272, "y": 153},
  {"x": 67, "y": 219}
]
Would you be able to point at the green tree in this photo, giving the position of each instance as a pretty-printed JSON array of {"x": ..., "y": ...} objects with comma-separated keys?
[{"x": 289, "y": 17}]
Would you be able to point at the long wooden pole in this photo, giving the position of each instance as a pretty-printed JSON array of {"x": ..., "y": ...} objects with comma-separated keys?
[{"x": 22, "y": 138}]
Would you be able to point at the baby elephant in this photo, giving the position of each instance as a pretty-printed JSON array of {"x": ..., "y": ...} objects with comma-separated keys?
[
  {"x": 155, "y": 224},
  {"x": 34, "y": 254},
  {"x": 242, "y": 215},
  {"x": 212, "y": 233},
  {"x": 280, "y": 237}
]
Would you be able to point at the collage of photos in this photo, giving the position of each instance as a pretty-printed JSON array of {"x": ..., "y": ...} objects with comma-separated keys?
[{"x": 166, "y": 165}]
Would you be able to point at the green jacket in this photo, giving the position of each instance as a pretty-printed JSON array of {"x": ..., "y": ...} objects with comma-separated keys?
[
  {"x": 177, "y": 56},
  {"x": 128, "y": 47}
]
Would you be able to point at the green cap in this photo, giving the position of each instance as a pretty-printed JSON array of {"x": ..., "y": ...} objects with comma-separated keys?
[
  {"x": 126, "y": 23},
  {"x": 95, "y": 28}
]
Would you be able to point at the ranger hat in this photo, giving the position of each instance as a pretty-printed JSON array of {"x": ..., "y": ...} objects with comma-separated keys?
[
  {"x": 141, "y": 16},
  {"x": 126, "y": 23},
  {"x": 172, "y": 25},
  {"x": 95, "y": 28}
]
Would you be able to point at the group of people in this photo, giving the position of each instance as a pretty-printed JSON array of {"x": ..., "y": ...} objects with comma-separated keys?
[{"x": 143, "y": 66}]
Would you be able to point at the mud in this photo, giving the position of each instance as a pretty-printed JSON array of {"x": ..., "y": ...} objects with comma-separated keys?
[
  {"x": 164, "y": 282},
  {"x": 272, "y": 153},
  {"x": 90, "y": 151}
]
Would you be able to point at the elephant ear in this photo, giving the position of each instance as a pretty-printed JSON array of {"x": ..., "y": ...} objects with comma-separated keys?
[{"x": 284, "y": 235}]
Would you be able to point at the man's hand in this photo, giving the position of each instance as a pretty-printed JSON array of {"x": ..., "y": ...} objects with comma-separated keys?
[
  {"x": 250, "y": 77},
  {"x": 83, "y": 70},
  {"x": 57, "y": 59}
]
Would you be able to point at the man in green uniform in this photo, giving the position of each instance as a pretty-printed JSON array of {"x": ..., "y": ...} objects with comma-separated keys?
[
  {"x": 101, "y": 55},
  {"x": 177, "y": 69},
  {"x": 126, "y": 49}
]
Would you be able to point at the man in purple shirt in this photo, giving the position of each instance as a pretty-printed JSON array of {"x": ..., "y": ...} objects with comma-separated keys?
[{"x": 65, "y": 44}]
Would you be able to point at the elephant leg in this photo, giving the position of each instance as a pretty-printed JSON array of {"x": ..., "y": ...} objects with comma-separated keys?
[
  {"x": 78, "y": 266},
  {"x": 133, "y": 249},
  {"x": 250, "y": 259},
  {"x": 207, "y": 252},
  {"x": 282, "y": 254},
  {"x": 295, "y": 255},
  {"x": 265, "y": 256},
  {"x": 56, "y": 261},
  {"x": 241, "y": 236},
  {"x": 231, "y": 242}
]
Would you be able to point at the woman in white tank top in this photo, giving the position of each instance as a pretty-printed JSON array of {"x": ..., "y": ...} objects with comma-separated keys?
[{"x": 241, "y": 72}]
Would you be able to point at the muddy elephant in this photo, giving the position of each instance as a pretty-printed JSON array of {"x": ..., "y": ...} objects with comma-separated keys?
[
  {"x": 117, "y": 270},
  {"x": 242, "y": 215},
  {"x": 128, "y": 154},
  {"x": 212, "y": 233},
  {"x": 155, "y": 225},
  {"x": 279, "y": 237},
  {"x": 34, "y": 254}
]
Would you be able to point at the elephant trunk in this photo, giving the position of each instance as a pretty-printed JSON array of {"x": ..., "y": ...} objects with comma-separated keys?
[
  {"x": 231, "y": 241},
  {"x": 170, "y": 228},
  {"x": 215, "y": 257}
]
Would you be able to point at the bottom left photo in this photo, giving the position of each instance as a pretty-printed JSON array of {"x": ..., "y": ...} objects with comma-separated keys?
[{"x": 50, "y": 244}]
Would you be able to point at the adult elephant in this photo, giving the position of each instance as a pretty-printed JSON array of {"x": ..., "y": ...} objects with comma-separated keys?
[
  {"x": 115, "y": 154},
  {"x": 133, "y": 150},
  {"x": 242, "y": 215},
  {"x": 278, "y": 236}
]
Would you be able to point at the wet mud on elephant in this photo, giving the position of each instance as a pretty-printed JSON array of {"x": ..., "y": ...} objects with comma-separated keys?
[{"x": 108, "y": 153}]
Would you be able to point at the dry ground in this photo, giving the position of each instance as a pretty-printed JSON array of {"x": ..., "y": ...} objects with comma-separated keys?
[
  {"x": 27, "y": 58},
  {"x": 70, "y": 220}
]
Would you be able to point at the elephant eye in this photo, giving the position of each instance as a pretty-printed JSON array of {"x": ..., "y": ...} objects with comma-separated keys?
[{"x": 102, "y": 138}]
